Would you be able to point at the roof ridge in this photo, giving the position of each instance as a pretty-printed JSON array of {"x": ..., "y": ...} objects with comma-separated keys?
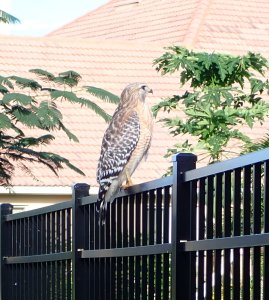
[
  {"x": 196, "y": 21},
  {"x": 125, "y": 2}
]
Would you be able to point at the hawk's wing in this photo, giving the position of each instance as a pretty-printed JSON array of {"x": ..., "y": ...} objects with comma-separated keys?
[{"x": 118, "y": 143}]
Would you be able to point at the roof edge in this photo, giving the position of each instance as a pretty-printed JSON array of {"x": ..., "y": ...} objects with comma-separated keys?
[
  {"x": 41, "y": 190},
  {"x": 51, "y": 33},
  {"x": 36, "y": 190}
]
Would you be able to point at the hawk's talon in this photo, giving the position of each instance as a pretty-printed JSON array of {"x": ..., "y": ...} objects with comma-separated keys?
[{"x": 127, "y": 184}]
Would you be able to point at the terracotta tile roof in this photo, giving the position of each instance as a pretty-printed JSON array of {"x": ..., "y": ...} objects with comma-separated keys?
[
  {"x": 102, "y": 64},
  {"x": 234, "y": 26},
  {"x": 227, "y": 26},
  {"x": 163, "y": 21},
  {"x": 115, "y": 45}
]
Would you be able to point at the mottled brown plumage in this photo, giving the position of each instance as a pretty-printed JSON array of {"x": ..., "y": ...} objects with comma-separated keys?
[{"x": 125, "y": 142}]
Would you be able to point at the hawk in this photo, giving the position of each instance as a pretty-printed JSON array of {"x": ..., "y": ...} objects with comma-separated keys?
[{"x": 125, "y": 142}]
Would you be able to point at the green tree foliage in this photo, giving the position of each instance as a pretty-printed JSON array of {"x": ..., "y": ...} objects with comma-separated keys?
[
  {"x": 7, "y": 18},
  {"x": 222, "y": 94},
  {"x": 27, "y": 103}
]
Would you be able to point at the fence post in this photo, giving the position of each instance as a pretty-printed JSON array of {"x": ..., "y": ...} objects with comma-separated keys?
[
  {"x": 5, "y": 209},
  {"x": 79, "y": 191},
  {"x": 182, "y": 162}
]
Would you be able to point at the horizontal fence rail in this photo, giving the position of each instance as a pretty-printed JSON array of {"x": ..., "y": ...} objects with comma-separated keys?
[
  {"x": 229, "y": 248},
  {"x": 130, "y": 256},
  {"x": 198, "y": 234},
  {"x": 246, "y": 241},
  {"x": 36, "y": 254}
]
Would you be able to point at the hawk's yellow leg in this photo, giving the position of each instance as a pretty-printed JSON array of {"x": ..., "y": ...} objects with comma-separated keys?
[{"x": 129, "y": 181}]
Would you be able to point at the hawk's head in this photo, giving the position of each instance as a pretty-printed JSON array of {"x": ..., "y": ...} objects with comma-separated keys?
[{"x": 134, "y": 91}]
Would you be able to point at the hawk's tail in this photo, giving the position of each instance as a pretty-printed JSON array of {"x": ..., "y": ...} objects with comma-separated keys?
[
  {"x": 101, "y": 206},
  {"x": 102, "y": 212},
  {"x": 107, "y": 192}
]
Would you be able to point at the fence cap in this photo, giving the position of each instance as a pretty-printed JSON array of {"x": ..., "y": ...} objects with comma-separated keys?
[
  {"x": 6, "y": 208},
  {"x": 80, "y": 190},
  {"x": 183, "y": 156}
]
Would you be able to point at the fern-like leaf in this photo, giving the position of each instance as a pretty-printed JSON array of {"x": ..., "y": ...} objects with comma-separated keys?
[
  {"x": 58, "y": 161},
  {"x": 70, "y": 74},
  {"x": 17, "y": 130},
  {"x": 6, "y": 171},
  {"x": 103, "y": 94},
  {"x": 70, "y": 78},
  {"x": 27, "y": 170},
  {"x": 6, "y": 82},
  {"x": 96, "y": 108},
  {"x": 3, "y": 89},
  {"x": 71, "y": 97},
  {"x": 74, "y": 168},
  {"x": 65, "y": 81},
  {"x": 5, "y": 122},
  {"x": 43, "y": 74},
  {"x": 19, "y": 98},
  {"x": 68, "y": 133},
  {"x": 45, "y": 139},
  {"x": 7, "y": 18},
  {"x": 25, "y": 116},
  {"x": 26, "y": 83},
  {"x": 31, "y": 141},
  {"x": 48, "y": 115},
  {"x": 258, "y": 145}
]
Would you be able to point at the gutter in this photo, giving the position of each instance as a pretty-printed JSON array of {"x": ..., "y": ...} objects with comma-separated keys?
[{"x": 41, "y": 190}]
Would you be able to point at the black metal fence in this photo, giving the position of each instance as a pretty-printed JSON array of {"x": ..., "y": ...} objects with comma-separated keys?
[{"x": 199, "y": 234}]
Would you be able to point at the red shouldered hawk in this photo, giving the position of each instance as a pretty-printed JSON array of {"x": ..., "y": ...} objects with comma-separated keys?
[{"x": 125, "y": 142}]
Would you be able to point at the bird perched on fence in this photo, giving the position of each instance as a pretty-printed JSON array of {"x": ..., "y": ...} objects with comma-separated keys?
[{"x": 125, "y": 142}]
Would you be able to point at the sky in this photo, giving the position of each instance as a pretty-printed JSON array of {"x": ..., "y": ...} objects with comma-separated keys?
[{"x": 39, "y": 17}]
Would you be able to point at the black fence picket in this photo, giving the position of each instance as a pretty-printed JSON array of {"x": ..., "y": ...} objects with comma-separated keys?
[{"x": 199, "y": 234}]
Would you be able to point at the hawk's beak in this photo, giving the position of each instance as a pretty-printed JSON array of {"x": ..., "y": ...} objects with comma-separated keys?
[{"x": 150, "y": 91}]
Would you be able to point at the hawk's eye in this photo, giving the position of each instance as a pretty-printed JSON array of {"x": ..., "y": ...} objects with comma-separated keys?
[{"x": 143, "y": 87}]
